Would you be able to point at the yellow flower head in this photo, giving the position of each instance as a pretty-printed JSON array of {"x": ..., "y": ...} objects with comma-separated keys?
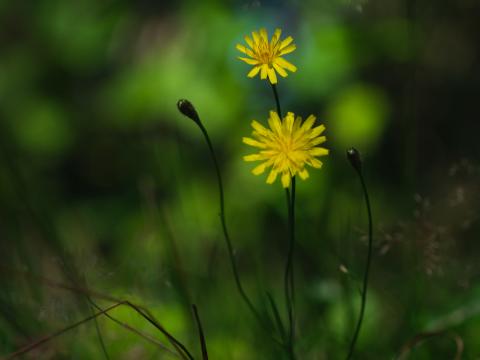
[
  {"x": 265, "y": 56},
  {"x": 287, "y": 147}
]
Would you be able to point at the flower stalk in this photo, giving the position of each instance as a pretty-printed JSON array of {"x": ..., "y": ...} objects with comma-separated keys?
[
  {"x": 187, "y": 109},
  {"x": 289, "y": 282},
  {"x": 289, "y": 279},
  {"x": 201, "y": 334},
  {"x": 354, "y": 157}
]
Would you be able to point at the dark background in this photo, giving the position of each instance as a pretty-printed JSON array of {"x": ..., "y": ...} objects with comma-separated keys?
[{"x": 105, "y": 186}]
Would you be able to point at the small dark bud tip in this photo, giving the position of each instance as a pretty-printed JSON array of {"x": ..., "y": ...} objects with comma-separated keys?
[
  {"x": 354, "y": 157},
  {"x": 187, "y": 109}
]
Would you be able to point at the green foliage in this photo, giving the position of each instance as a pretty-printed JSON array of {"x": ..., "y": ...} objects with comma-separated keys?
[{"x": 105, "y": 188}]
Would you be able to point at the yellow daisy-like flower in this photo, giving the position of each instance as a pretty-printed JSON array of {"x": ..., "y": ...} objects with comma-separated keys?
[
  {"x": 287, "y": 147},
  {"x": 265, "y": 56}
]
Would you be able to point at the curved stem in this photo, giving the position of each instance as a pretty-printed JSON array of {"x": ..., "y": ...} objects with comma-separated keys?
[
  {"x": 147, "y": 337},
  {"x": 182, "y": 350},
  {"x": 367, "y": 268},
  {"x": 203, "y": 343},
  {"x": 225, "y": 230}
]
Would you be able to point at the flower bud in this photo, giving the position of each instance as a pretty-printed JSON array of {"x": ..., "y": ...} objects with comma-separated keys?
[
  {"x": 187, "y": 109},
  {"x": 354, "y": 157}
]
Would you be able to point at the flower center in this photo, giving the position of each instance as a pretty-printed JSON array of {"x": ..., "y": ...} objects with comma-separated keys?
[
  {"x": 265, "y": 57},
  {"x": 286, "y": 146},
  {"x": 265, "y": 54}
]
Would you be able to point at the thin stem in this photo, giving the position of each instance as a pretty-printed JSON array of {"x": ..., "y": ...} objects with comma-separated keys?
[
  {"x": 277, "y": 101},
  {"x": 146, "y": 314},
  {"x": 367, "y": 267},
  {"x": 97, "y": 328},
  {"x": 200, "y": 333},
  {"x": 289, "y": 278},
  {"x": 47, "y": 338},
  {"x": 277, "y": 317},
  {"x": 179, "y": 346},
  {"x": 89, "y": 293},
  {"x": 225, "y": 231},
  {"x": 147, "y": 337}
]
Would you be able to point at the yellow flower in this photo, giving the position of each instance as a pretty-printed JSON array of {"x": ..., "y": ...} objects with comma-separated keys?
[
  {"x": 287, "y": 147},
  {"x": 266, "y": 56}
]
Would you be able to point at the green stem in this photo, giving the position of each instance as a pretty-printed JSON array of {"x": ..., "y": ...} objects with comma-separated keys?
[
  {"x": 225, "y": 231},
  {"x": 289, "y": 278},
  {"x": 182, "y": 350},
  {"x": 277, "y": 318},
  {"x": 277, "y": 101},
  {"x": 99, "y": 333},
  {"x": 203, "y": 343},
  {"x": 367, "y": 267}
]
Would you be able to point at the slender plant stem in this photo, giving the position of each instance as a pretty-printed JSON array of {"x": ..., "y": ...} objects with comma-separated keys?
[
  {"x": 277, "y": 101},
  {"x": 99, "y": 333},
  {"x": 225, "y": 231},
  {"x": 277, "y": 318},
  {"x": 147, "y": 315},
  {"x": 182, "y": 350},
  {"x": 147, "y": 337},
  {"x": 289, "y": 278},
  {"x": 367, "y": 268},
  {"x": 201, "y": 334},
  {"x": 90, "y": 293}
]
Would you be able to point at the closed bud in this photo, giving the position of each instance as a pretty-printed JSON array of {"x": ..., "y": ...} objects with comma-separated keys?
[
  {"x": 187, "y": 109},
  {"x": 354, "y": 157}
]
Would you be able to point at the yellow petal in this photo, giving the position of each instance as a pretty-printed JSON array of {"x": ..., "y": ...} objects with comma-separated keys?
[
  {"x": 274, "y": 122},
  {"x": 259, "y": 169},
  {"x": 315, "y": 163},
  {"x": 318, "y": 151},
  {"x": 255, "y": 143},
  {"x": 259, "y": 128},
  {"x": 256, "y": 38},
  {"x": 285, "y": 64},
  {"x": 264, "y": 35},
  {"x": 272, "y": 176},
  {"x": 268, "y": 153},
  {"x": 286, "y": 179},
  {"x": 263, "y": 74},
  {"x": 253, "y": 157},
  {"x": 245, "y": 50},
  {"x": 316, "y": 131},
  {"x": 286, "y": 42},
  {"x": 241, "y": 48},
  {"x": 317, "y": 141},
  {"x": 249, "y": 41},
  {"x": 280, "y": 70},
  {"x": 287, "y": 50},
  {"x": 254, "y": 71},
  {"x": 249, "y": 61},
  {"x": 307, "y": 125},
  {"x": 288, "y": 121},
  {"x": 272, "y": 76},
  {"x": 303, "y": 174},
  {"x": 297, "y": 124},
  {"x": 275, "y": 37}
]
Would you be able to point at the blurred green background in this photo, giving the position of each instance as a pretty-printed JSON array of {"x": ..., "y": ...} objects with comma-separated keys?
[{"x": 105, "y": 186}]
